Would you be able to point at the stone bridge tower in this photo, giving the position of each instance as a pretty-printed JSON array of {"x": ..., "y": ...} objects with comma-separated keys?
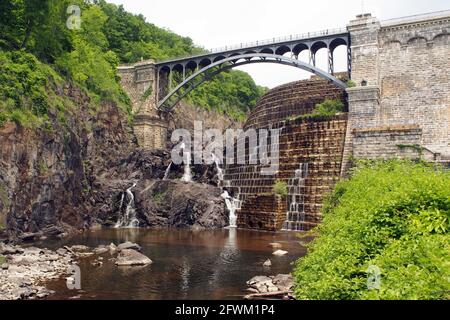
[
  {"x": 139, "y": 82},
  {"x": 400, "y": 106}
]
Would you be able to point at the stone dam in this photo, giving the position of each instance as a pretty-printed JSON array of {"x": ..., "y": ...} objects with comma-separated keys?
[
  {"x": 310, "y": 159},
  {"x": 398, "y": 106}
]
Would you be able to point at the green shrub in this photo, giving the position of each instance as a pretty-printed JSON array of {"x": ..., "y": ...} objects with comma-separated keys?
[
  {"x": 351, "y": 83},
  {"x": 2, "y": 259},
  {"x": 393, "y": 215},
  {"x": 280, "y": 188},
  {"x": 322, "y": 111}
]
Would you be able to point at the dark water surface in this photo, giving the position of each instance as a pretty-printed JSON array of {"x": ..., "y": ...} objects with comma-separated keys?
[{"x": 186, "y": 264}]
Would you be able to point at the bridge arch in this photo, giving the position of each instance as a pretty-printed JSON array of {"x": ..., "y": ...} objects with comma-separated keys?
[{"x": 211, "y": 70}]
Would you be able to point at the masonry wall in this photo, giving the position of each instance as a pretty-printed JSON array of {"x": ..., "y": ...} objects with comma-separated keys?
[
  {"x": 317, "y": 143},
  {"x": 402, "y": 97},
  {"x": 139, "y": 81}
]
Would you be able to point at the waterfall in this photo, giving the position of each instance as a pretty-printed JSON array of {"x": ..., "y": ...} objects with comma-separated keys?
[
  {"x": 166, "y": 175},
  {"x": 220, "y": 174},
  {"x": 129, "y": 219},
  {"x": 232, "y": 205},
  {"x": 187, "y": 176},
  {"x": 296, "y": 215}
]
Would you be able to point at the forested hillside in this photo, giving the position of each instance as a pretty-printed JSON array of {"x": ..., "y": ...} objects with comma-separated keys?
[{"x": 39, "y": 54}]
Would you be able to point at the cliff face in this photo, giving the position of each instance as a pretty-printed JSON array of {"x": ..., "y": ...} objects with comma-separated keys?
[
  {"x": 47, "y": 176},
  {"x": 72, "y": 176}
]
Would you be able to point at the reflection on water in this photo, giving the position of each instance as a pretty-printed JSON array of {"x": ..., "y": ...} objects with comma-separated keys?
[{"x": 186, "y": 264}]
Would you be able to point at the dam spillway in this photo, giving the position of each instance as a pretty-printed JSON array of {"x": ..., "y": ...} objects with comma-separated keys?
[{"x": 314, "y": 145}]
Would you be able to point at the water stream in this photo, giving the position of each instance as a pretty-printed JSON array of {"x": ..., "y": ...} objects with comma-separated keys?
[
  {"x": 296, "y": 216},
  {"x": 187, "y": 176},
  {"x": 167, "y": 173},
  {"x": 232, "y": 204},
  {"x": 128, "y": 219},
  {"x": 193, "y": 265}
]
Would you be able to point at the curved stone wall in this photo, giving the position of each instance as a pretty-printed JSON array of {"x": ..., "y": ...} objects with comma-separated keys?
[{"x": 310, "y": 159}]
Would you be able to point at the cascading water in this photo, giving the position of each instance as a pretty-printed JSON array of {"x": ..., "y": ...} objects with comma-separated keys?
[
  {"x": 296, "y": 216},
  {"x": 187, "y": 176},
  {"x": 128, "y": 219},
  {"x": 220, "y": 174},
  {"x": 166, "y": 174},
  {"x": 232, "y": 205}
]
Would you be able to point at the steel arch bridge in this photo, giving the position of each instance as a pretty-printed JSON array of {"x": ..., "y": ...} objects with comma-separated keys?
[{"x": 195, "y": 70}]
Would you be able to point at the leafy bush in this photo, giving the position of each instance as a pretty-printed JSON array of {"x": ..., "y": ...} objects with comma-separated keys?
[
  {"x": 323, "y": 111},
  {"x": 25, "y": 86},
  {"x": 2, "y": 260},
  {"x": 280, "y": 188},
  {"x": 393, "y": 215},
  {"x": 351, "y": 83}
]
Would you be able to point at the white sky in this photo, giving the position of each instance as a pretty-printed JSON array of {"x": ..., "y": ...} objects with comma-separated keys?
[{"x": 214, "y": 24}]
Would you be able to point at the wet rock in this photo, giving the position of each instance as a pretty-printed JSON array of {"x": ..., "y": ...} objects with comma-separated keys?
[
  {"x": 33, "y": 251},
  {"x": 128, "y": 245},
  {"x": 79, "y": 248},
  {"x": 274, "y": 284},
  {"x": 101, "y": 250},
  {"x": 181, "y": 205},
  {"x": 10, "y": 250},
  {"x": 284, "y": 282},
  {"x": 130, "y": 257},
  {"x": 258, "y": 279},
  {"x": 280, "y": 253},
  {"x": 62, "y": 251},
  {"x": 112, "y": 248},
  {"x": 26, "y": 237},
  {"x": 43, "y": 293}
]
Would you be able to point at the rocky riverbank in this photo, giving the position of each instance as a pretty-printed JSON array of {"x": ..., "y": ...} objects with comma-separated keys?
[{"x": 24, "y": 270}]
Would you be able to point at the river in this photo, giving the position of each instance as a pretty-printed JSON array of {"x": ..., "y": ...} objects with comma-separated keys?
[{"x": 186, "y": 265}]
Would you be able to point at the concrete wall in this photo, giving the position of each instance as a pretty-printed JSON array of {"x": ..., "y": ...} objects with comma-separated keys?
[{"x": 405, "y": 68}]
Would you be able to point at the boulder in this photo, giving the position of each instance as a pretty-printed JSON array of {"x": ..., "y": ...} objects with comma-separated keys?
[
  {"x": 129, "y": 245},
  {"x": 130, "y": 257},
  {"x": 258, "y": 279},
  {"x": 181, "y": 205},
  {"x": 280, "y": 253},
  {"x": 284, "y": 282},
  {"x": 79, "y": 248},
  {"x": 267, "y": 264},
  {"x": 101, "y": 250}
]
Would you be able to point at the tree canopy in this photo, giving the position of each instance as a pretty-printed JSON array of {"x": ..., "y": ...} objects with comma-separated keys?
[{"x": 89, "y": 56}]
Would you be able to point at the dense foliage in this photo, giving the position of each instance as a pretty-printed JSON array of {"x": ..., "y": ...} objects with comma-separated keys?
[
  {"x": 322, "y": 111},
  {"x": 390, "y": 216},
  {"x": 36, "y": 47}
]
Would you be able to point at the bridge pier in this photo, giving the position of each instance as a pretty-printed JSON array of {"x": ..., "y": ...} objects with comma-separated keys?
[{"x": 140, "y": 82}]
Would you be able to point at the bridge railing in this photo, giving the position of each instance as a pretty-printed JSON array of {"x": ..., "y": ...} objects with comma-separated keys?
[
  {"x": 295, "y": 37},
  {"x": 276, "y": 40}
]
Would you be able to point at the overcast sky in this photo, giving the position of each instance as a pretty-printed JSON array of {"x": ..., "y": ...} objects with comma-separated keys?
[{"x": 213, "y": 24}]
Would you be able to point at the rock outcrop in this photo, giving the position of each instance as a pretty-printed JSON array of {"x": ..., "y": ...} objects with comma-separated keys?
[
  {"x": 72, "y": 175},
  {"x": 181, "y": 205}
]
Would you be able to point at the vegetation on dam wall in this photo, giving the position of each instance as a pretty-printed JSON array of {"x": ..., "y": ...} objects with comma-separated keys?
[{"x": 385, "y": 235}]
